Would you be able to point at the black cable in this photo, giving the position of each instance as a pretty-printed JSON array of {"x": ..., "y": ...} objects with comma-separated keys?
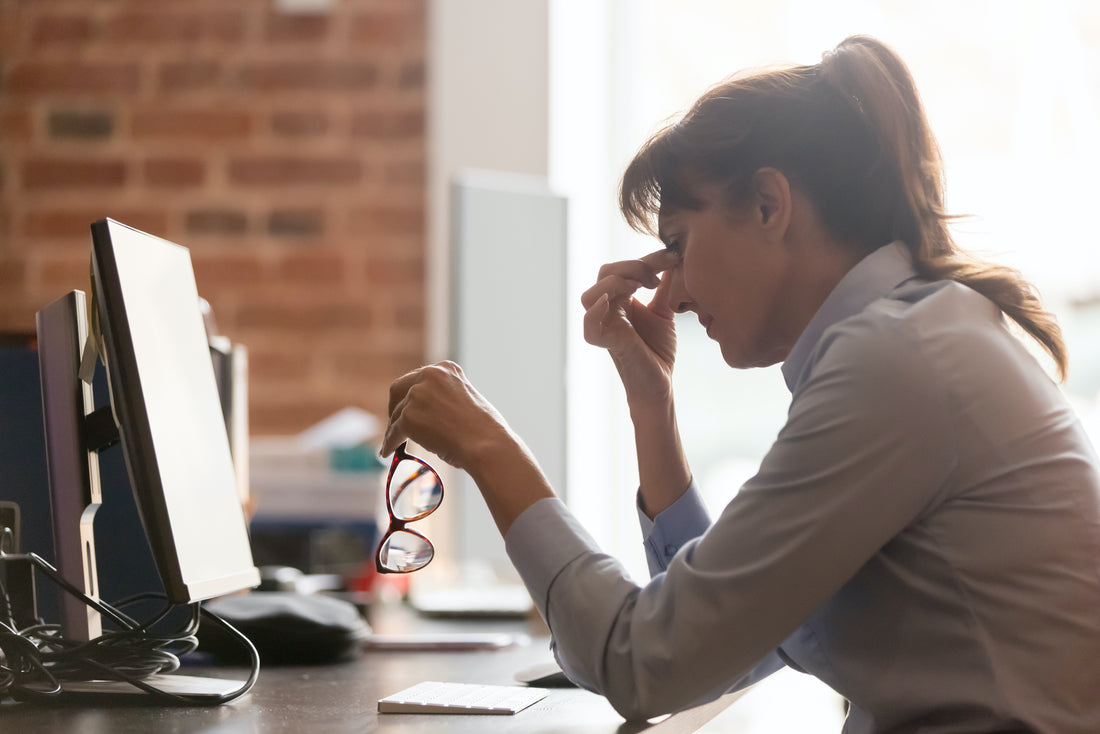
[{"x": 34, "y": 662}]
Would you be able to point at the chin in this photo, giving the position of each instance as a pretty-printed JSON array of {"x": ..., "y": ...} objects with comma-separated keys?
[{"x": 741, "y": 360}]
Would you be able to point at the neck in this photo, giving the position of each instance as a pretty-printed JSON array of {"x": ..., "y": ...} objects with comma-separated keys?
[{"x": 816, "y": 267}]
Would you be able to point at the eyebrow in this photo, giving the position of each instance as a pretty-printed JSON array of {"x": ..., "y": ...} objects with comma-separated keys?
[{"x": 662, "y": 232}]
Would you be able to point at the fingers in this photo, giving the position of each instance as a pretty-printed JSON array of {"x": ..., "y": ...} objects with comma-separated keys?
[
  {"x": 414, "y": 399},
  {"x": 614, "y": 287},
  {"x": 660, "y": 260},
  {"x": 621, "y": 279},
  {"x": 594, "y": 319}
]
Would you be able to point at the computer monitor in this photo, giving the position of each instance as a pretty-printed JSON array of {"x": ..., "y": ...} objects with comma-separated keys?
[{"x": 148, "y": 330}]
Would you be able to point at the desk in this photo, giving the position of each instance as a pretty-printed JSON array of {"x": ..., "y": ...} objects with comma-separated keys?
[{"x": 341, "y": 698}]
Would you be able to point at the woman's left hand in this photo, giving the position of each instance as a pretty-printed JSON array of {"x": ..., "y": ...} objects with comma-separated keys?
[{"x": 437, "y": 407}]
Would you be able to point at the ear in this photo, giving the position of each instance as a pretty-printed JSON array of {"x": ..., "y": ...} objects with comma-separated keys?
[{"x": 772, "y": 201}]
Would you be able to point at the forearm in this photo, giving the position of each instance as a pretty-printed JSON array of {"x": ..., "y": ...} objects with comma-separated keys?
[
  {"x": 663, "y": 470},
  {"x": 508, "y": 477}
]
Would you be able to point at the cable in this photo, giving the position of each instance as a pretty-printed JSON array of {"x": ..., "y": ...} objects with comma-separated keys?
[{"x": 37, "y": 660}]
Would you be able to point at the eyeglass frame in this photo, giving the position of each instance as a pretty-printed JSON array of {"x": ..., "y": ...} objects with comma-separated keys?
[{"x": 398, "y": 525}]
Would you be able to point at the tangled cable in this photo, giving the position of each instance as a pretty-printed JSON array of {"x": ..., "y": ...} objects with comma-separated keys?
[{"x": 36, "y": 661}]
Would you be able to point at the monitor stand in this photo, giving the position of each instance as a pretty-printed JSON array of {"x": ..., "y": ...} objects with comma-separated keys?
[{"x": 73, "y": 467}]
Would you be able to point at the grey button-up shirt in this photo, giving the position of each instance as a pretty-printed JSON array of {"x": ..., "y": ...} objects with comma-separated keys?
[{"x": 923, "y": 536}]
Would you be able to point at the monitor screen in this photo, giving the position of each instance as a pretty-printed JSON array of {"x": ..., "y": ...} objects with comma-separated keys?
[{"x": 166, "y": 404}]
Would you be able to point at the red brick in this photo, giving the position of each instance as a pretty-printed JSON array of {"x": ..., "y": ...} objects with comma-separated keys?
[
  {"x": 76, "y": 223},
  {"x": 85, "y": 77},
  {"x": 62, "y": 29},
  {"x": 265, "y": 364},
  {"x": 15, "y": 125},
  {"x": 219, "y": 269},
  {"x": 175, "y": 172},
  {"x": 210, "y": 124},
  {"x": 12, "y": 272},
  {"x": 299, "y": 124},
  {"x": 285, "y": 170},
  {"x": 410, "y": 317},
  {"x": 64, "y": 274},
  {"x": 42, "y": 173},
  {"x": 309, "y": 76},
  {"x": 81, "y": 125},
  {"x": 216, "y": 222},
  {"x": 295, "y": 28},
  {"x": 399, "y": 273},
  {"x": 296, "y": 222},
  {"x": 410, "y": 172},
  {"x": 274, "y": 418},
  {"x": 389, "y": 124},
  {"x": 411, "y": 75},
  {"x": 312, "y": 267},
  {"x": 164, "y": 27},
  {"x": 183, "y": 76},
  {"x": 389, "y": 219},
  {"x": 374, "y": 366},
  {"x": 390, "y": 28},
  {"x": 313, "y": 317},
  {"x": 17, "y": 317}
]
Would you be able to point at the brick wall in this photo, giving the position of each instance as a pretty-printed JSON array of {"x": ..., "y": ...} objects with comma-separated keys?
[{"x": 286, "y": 151}]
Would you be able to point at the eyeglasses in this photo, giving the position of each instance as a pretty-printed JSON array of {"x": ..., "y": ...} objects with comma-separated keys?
[{"x": 413, "y": 491}]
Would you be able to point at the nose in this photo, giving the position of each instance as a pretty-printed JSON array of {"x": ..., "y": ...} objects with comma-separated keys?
[{"x": 676, "y": 296}]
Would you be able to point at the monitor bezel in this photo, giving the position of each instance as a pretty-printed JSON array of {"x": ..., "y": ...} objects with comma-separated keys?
[{"x": 127, "y": 397}]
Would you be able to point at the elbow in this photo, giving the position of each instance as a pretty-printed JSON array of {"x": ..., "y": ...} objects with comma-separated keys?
[
  {"x": 637, "y": 699},
  {"x": 633, "y": 709}
]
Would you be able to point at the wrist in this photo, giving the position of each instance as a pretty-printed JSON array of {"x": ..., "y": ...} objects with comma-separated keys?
[
  {"x": 507, "y": 475},
  {"x": 646, "y": 410}
]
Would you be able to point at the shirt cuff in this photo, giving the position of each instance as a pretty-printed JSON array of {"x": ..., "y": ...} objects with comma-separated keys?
[
  {"x": 542, "y": 541},
  {"x": 685, "y": 519}
]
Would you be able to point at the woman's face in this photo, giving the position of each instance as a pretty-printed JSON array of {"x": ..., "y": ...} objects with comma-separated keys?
[{"x": 734, "y": 275}]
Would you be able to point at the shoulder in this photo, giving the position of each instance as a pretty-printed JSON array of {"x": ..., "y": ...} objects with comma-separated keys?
[
  {"x": 904, "y": 355},
  {"x": 913, "y": 335}
]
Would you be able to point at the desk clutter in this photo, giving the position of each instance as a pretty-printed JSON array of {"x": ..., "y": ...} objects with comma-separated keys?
[{"x": 317, "y": 496}]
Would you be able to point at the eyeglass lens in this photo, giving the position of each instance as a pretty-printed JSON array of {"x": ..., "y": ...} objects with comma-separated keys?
[
  {"x": 415, "y": 490},
  {"x": 403, "y": 551}
]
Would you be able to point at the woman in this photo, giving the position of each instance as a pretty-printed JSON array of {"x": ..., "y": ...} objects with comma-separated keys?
[{"x": 923, "y": 536}]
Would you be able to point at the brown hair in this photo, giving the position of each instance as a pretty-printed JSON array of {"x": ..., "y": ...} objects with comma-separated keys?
[{"x": 852, "y": 134}]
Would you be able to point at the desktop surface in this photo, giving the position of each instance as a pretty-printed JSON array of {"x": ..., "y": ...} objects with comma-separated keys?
[{"x": 344, "y": 697}]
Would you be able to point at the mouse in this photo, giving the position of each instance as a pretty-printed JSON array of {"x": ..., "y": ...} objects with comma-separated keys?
[
  {"x": 544, "y": 675},
  {"x": 286, "y": 627}
]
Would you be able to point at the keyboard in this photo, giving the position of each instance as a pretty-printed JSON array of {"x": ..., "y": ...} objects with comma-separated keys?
[{"x": 433, "y": 697}]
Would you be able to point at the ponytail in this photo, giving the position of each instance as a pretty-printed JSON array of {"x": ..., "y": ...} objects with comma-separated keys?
[
  {"x": 877, "y": 80},
  {"x": 852, "y": 133}
]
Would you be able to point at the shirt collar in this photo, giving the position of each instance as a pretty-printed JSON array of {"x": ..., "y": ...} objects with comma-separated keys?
[{"x": 872, "y": 278}]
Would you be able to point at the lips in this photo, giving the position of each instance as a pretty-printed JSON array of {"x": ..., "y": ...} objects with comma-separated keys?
[{"x": 706, "y": 321}]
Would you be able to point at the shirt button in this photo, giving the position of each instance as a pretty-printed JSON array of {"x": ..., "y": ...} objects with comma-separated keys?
[{"x": 670, "y": 551}]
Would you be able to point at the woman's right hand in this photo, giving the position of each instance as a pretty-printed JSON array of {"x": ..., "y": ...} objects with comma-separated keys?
[{"x": 640, "y": 338}]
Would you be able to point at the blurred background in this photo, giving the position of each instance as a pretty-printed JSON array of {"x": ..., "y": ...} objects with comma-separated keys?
[
  {"x": 307, "y": 152},
  {"x": 284, "y": 146}
]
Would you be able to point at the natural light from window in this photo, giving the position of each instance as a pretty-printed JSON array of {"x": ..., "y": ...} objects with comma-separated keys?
[{"x": 1012, "y": 90}]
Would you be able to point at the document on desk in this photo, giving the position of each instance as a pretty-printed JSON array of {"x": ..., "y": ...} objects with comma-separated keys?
[{"x": 433, "y": 697}]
